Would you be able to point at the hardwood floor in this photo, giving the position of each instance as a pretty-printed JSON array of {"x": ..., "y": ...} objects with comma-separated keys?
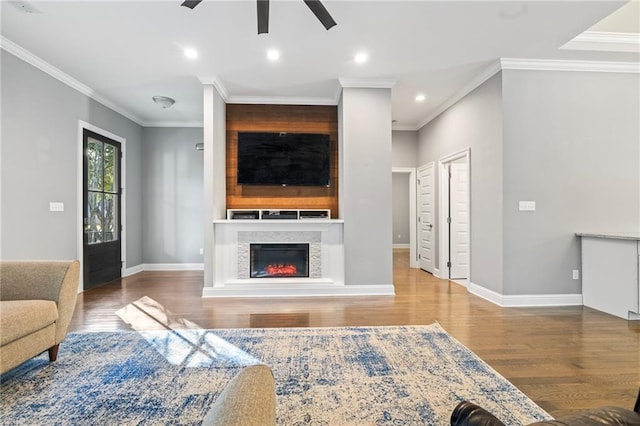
[{"x": 566, "y": 359}]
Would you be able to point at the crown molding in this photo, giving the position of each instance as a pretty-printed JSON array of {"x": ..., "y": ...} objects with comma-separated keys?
[
  {"x": 217, "y": 83},
  {"x": 605, "y": 42},
  {"x": 63, "y": 77},
  {"x": 535, "y": 65},
  {"x": 563, "y": 65},
  {"x": 404, "y": 127},
  {"x": 173, "y": 124},
  {"x": 269, "y": 100},
  {"x": 367, "y": 83},
  {"x": 338, "y": 95},
  {"x": 280, "y": 100},
  {"x": 491, "y": 70}
]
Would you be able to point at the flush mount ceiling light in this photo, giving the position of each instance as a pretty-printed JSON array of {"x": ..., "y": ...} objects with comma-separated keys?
[
  {"x": 24, "y": 7},
  {"x": 164, "y": 101},
  {"x": 420, "y": 97},
  {"x": 190, "y": 53},
  {"x": 360, "y": 58}
]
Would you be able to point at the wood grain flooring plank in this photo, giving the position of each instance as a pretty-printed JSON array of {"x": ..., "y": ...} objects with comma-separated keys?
[{"x": 564, "y": 358}]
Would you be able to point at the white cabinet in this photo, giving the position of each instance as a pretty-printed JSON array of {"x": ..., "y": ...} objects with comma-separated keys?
[{"x": 610, "y": 275}]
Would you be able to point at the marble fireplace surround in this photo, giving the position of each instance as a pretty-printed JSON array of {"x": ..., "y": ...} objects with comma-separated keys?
[{"x": 232, "y": 239}]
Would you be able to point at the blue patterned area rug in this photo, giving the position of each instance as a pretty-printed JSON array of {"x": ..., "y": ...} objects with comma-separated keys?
[{"x": 411, "y": 375}]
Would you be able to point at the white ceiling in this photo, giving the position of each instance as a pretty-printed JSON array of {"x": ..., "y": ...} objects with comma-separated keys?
[{"x": 126, "y": 52}]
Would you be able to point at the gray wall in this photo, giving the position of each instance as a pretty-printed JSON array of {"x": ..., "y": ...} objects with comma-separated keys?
[
  {"x": 172, "y": 175},
  {"x": 404, "y": 148},
  {"x": 474, "y": 122},
  {"x": 404, "y": 154},
  {"x": 364, "y": 117},
  {"x": 39, "y": 164},
  {"x": 572, "y": 144},
  {"x": 400, "y": 190}
]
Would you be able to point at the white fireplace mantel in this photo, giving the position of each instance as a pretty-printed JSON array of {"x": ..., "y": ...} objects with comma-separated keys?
[{"x": 325, "y": 236}]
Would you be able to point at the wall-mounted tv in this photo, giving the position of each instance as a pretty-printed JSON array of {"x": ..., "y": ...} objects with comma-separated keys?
[{"x": 295, "y": 159}]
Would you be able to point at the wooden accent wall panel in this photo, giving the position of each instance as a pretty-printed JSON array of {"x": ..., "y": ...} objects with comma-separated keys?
[{"x": 281, "y": 118}]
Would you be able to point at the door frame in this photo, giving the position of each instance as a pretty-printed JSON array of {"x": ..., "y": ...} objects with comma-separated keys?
[
  {"x": 443, "y": 210},
  {"x": 413, "y": 216},
  {"x": 80, "y": 195}
]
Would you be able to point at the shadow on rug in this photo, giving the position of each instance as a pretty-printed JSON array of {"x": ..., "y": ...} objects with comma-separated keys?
[{"x": 324, "y": 376}]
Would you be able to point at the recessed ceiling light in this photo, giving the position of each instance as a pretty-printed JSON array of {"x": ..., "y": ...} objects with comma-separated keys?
[
  {"x": 360, "y": 58},
  {"x": 190, "y": 53},
  {"x": 273, "y": 55},
  {"x": 420, "y": 97}
]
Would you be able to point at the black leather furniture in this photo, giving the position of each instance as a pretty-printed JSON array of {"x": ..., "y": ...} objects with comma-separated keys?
[{"x": 469, "y": 414}]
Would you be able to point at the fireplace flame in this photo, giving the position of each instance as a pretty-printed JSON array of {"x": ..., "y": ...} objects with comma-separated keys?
[{"x": 281, "y": 270}]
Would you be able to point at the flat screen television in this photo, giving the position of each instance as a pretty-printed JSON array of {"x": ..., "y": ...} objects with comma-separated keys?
[{"x": 295, "y": 159}]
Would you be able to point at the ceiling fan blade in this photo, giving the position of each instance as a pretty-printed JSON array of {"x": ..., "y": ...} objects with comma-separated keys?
[
  {"x": 191, "y": 3},
  {"x": 321, "y": 13},
  {"x": 263, "y": 16}
]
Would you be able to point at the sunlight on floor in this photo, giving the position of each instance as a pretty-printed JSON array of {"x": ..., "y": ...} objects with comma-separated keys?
[{"x": 179, "y": 340}]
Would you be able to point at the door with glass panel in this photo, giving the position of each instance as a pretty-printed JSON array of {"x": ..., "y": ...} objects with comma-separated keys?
[{"x": 102, "y": 212}]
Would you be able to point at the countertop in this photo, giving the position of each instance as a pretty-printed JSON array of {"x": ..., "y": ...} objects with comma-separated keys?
[{"x": 611, "y": 235}]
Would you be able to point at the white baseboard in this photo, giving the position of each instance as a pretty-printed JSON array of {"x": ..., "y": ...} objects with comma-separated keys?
[
  {"x": 174, "y": 266},
  {"x": 525, "y": 300},
  {"x": 162, "y": 267},
  {"x": 308, "y": 290},
  {"x": 127, "y": 272},
  {"x": 436, "y": 273},
  {"x": 542, "y": 300},
  {"x": 463, "y": 283}
]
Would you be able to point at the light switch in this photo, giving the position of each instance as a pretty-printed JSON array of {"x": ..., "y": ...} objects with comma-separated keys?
[
  {"x": 55, "y": 206},
  {"x": 527, "y": 206}
]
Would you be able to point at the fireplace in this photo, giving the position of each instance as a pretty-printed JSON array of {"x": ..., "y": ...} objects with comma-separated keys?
[
  {"x": 279, "y": 260},
  {"x": 234, "y": 263}
]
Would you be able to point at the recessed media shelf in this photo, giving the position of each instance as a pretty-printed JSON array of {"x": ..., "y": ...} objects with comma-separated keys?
[{"x": 271, "y": 214}]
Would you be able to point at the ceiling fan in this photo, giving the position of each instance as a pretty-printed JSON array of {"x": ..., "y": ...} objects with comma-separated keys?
[{"x": 316, "y": 7}]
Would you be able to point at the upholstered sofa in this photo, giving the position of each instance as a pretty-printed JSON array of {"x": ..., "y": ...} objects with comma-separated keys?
[
  {"x": 37, "y": 299},
  {"x": 249, "y": 399},
  {"x": 469, "y": 414}
]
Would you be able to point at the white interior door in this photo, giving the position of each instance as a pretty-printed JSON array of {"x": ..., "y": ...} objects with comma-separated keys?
[
  {"x": 459, "y": 242},
  {"x": 425, "y": 216},
  {"x": 413, "y": 215}
]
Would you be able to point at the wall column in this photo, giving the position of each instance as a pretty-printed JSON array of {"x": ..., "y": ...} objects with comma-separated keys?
[
  {"x": 364, "y": 120},
  {"x": 214, "y": 130}
]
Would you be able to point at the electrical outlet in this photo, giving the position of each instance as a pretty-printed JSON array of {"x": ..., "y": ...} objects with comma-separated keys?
[
  {"x": 56, "y": 206},
  {"x": 399, "y": 236},
  {"x": 576, "y": 274},
  {"x": 527, "y": 206},
  {"x": 201, "y": 250}
]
